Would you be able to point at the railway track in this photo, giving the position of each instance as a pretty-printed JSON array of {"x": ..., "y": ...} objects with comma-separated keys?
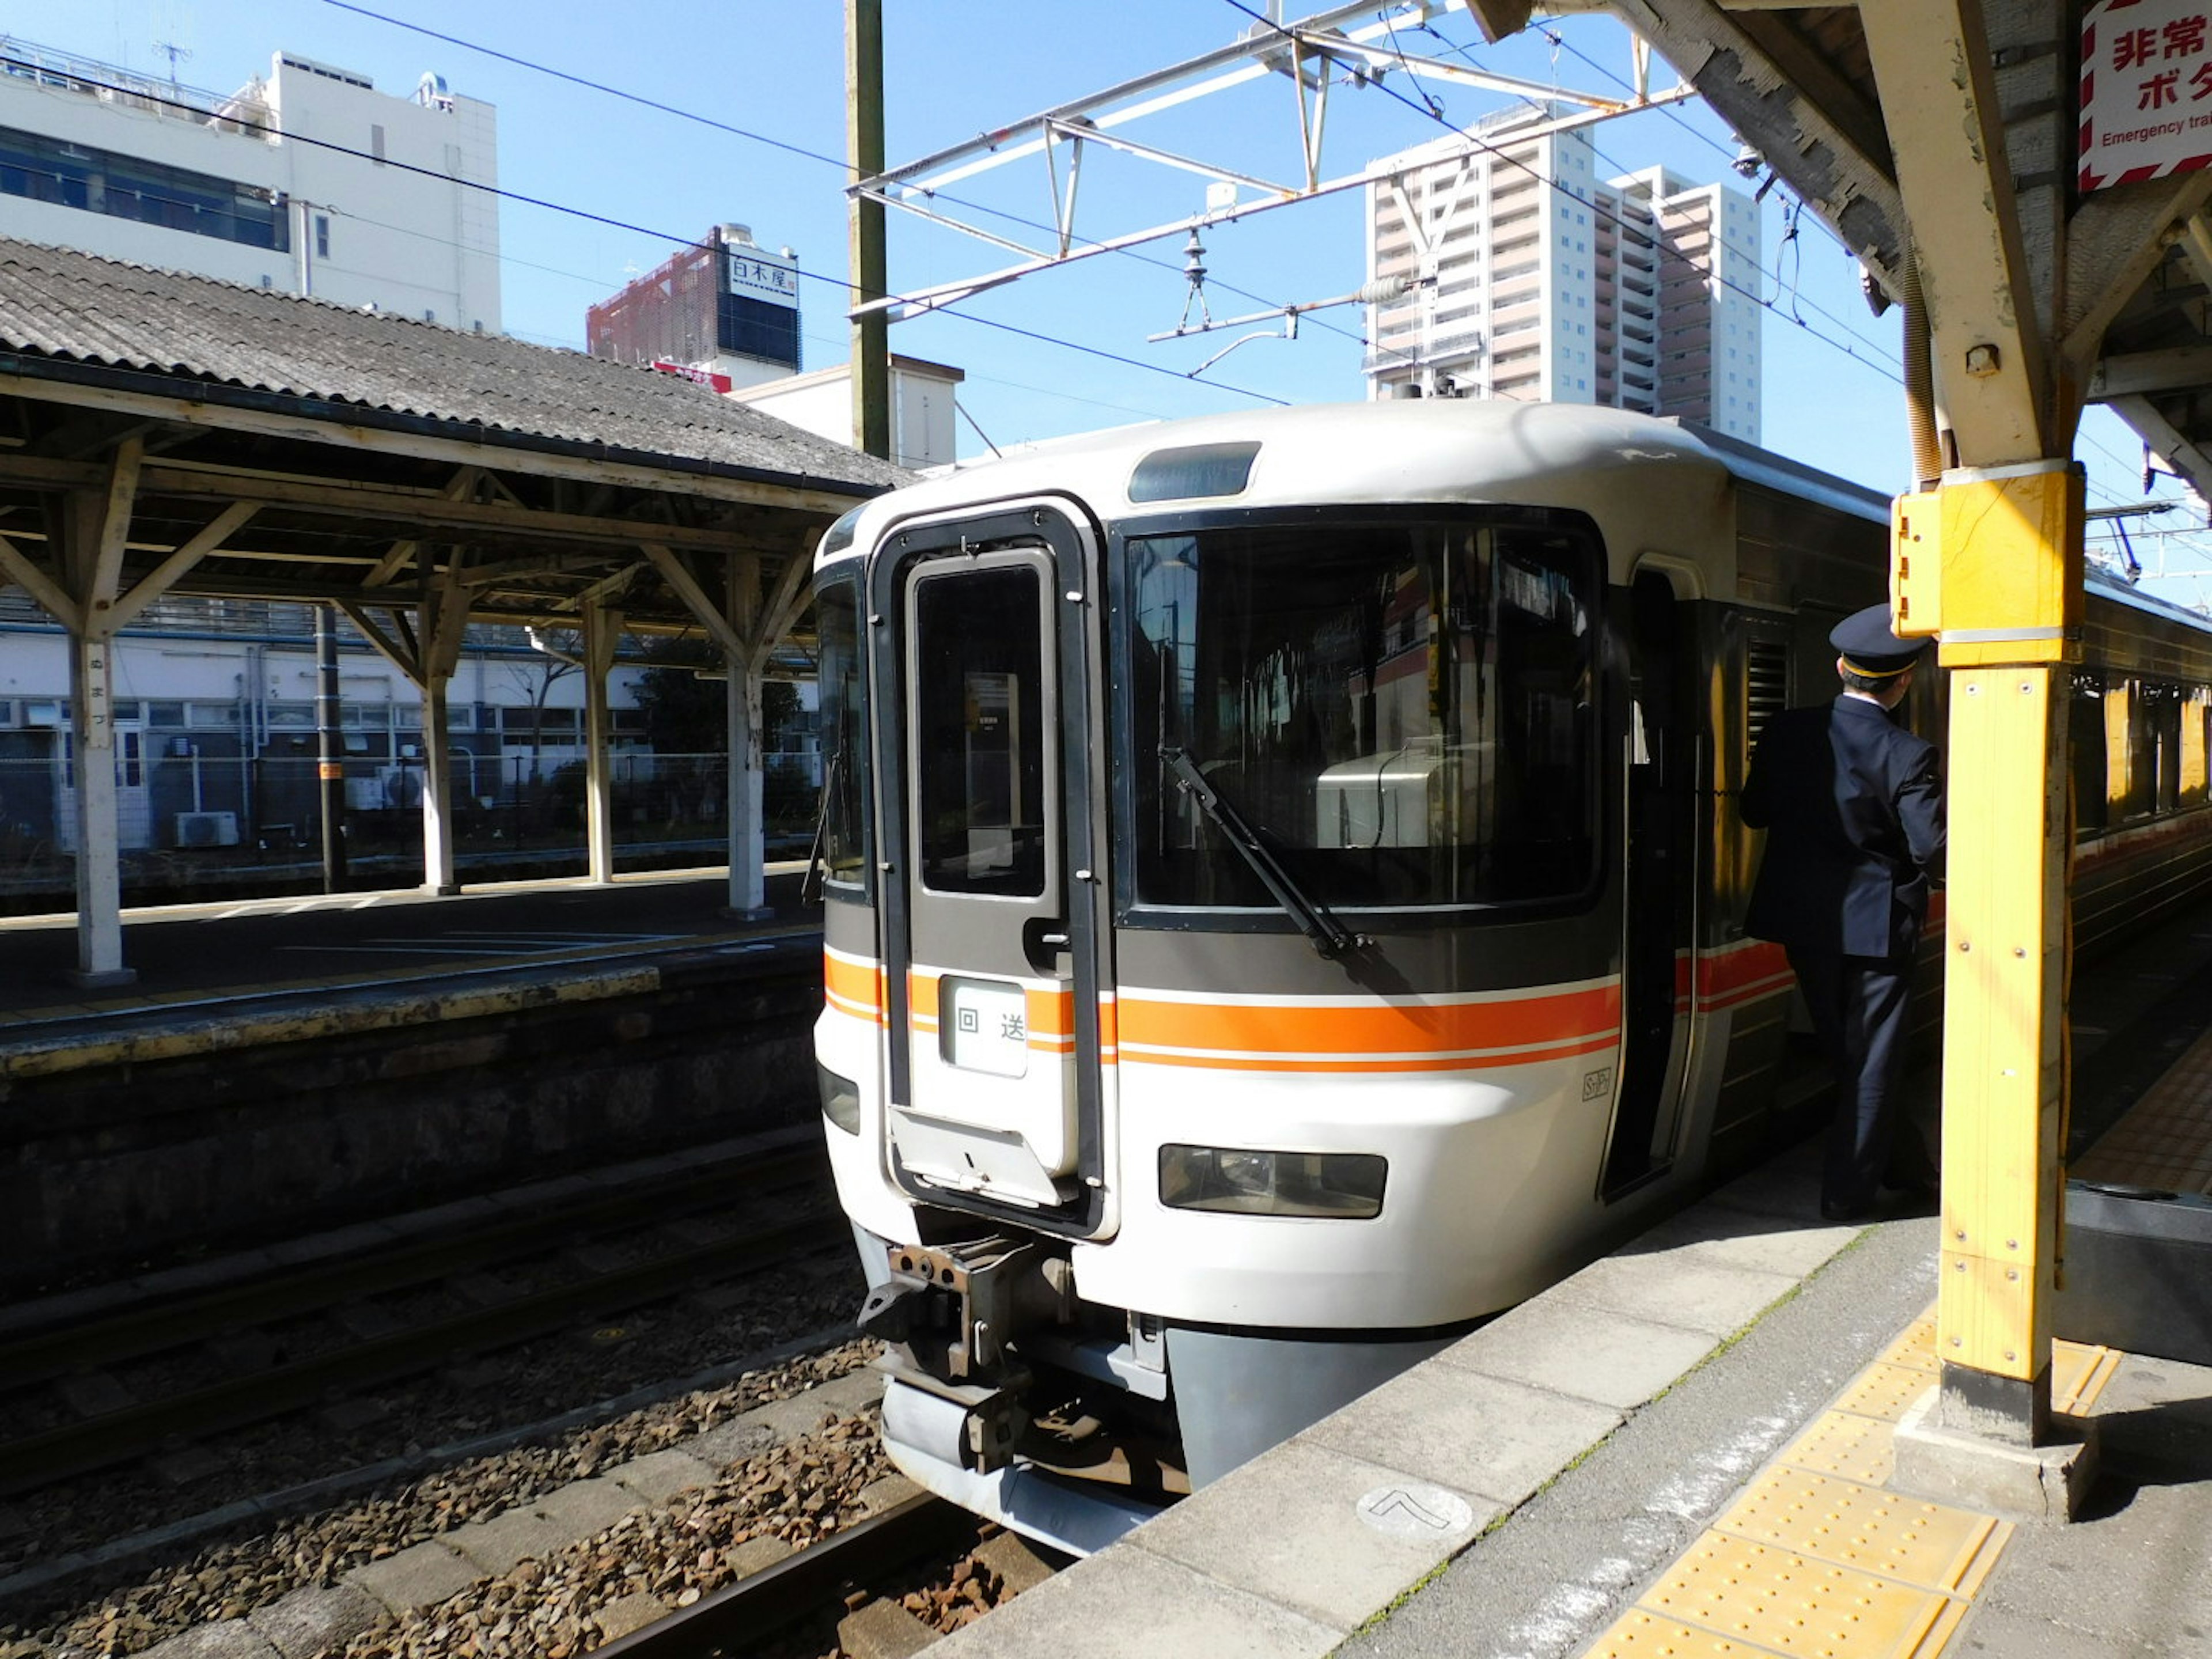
[
  {"x": 589, "y": 1258},
  {"x": 740, "y": 1617}
]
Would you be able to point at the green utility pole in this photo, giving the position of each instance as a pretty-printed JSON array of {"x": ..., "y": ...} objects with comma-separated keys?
[{"x": 863, "y": 149}]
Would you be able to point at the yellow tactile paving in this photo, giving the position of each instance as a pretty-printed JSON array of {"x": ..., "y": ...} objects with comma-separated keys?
[
  {"x": 1795, "y": 1605},
  {"x": 1884, "y": 1391},
  {"x": 1915, "y": 1349},
  {"x": 2078, "y": 1374},
  {"x": 1929, "y": 1546},
  {"x": 1838, "y": 1443},
  {"x": 1643, "y": 1634},
  {"x": 1816, "y": 1559}
]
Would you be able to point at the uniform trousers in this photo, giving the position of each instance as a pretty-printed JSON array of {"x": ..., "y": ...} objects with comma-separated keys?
[{"x": 1858, "y": 1010}]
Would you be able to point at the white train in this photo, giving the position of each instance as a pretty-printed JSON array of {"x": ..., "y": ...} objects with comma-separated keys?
[{"x": 1283, "y": 903}]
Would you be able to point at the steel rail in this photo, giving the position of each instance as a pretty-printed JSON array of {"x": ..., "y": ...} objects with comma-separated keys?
[
  {"x": 736, "y": 1616},
  {"x": 136, "y": 1430},
  {"x": 163, "y": 1323}
]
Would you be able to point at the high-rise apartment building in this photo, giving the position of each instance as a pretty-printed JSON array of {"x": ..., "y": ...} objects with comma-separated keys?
[
  {"x": 377, "y": 211},
  {"x": 1536, "y": 279}
]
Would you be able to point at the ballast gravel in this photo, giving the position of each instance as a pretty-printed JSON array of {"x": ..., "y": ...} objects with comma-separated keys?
[{"x": 792, "y": 1493}]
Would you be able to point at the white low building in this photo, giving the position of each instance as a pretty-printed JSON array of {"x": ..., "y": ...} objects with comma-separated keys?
[
  {"x": 923, "y": 430},
  {"x": 308, "y": 179}
]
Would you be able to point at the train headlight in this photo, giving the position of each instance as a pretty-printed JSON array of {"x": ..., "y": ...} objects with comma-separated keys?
[
  {"x": 840, "y": 1099},
  {"x": 1235, "y": 1181}
]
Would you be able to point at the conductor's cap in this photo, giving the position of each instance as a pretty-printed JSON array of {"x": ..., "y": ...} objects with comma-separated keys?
[{"x": 1870, "y": 648}]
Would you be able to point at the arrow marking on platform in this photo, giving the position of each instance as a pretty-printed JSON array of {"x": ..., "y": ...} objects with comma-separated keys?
[{"x": 1415, "y": 1510}]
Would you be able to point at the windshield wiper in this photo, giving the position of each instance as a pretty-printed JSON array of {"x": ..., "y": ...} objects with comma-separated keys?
[
  {"x": 810, "y": 884},
  {"x": 1331, "y": 938}
]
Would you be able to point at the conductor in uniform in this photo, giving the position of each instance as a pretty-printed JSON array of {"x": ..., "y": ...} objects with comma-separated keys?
[{"x": 1852, "y": 805}]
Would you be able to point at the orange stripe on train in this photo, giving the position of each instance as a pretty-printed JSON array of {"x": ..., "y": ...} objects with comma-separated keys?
[
  {"x": 856, "y": 987},
  {"x": 1381, "y": 1029},
  {"x": 1602, "y": 1043}
]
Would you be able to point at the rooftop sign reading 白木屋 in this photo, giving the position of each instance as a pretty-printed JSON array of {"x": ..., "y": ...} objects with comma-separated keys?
[{"x": 2146, "y": 90}]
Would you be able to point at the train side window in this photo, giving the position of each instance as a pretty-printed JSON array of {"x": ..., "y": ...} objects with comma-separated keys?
[
  {"x": 2162, "y": 712},
  {"x": 844, "y": 728},
  {"x": 2091, "y": 752},
  {"x": 2143, "y": 735},
  {"x": 2196, "y": 746}
]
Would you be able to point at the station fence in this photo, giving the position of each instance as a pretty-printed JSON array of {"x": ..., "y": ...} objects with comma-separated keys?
[{"x": 215, "y": 826}]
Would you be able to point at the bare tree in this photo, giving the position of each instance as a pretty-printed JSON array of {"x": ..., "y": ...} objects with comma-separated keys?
[{"x": 560, "y": 653}]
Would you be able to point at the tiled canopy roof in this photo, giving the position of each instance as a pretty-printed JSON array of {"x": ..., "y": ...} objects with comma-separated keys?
[{"x": 68, "y": 307}]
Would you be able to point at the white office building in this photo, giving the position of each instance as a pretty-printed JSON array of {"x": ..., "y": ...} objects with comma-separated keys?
[
  {"x": 1536, "y": 279},
  {"x": 308, "y": 179}
]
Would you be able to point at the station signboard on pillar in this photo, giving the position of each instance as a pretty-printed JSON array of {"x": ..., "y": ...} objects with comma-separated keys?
[{"x": 2146, "y": 105}]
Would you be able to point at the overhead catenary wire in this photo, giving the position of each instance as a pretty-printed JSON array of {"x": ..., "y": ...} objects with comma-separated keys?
[
  {"x": 1558, "y": 41},
  {"x": 1619, "y": 223},
  {"x": 523, "y": 198},
  {"x": 1556, "y": 36},
  {"x": 677, "y": 110},
  {"x": 843, "y": 166},
  {"x": 1434, "y": 110},
  {"x": 599, "y": 285}
]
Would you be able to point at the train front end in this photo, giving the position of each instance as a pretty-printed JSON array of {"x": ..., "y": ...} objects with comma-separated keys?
[{"x": 1223, "y": 1002}]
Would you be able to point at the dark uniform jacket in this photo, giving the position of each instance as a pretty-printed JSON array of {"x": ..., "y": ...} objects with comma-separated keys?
[{"x": 1852, "y": 804}]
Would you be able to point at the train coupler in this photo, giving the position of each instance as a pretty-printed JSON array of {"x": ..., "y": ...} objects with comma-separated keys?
[{"x": 954, "y": 1308}]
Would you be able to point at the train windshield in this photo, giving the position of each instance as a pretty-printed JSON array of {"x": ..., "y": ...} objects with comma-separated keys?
[
  {"x": 1404, "y": 711},
  {"x": 844, "y": 728}
]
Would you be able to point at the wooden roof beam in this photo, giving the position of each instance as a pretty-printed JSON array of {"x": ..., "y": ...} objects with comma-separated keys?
[
  {"x": 2183, "y": 368},
  {"x": 25, "y": 575},
  {"x": 164, "y": 575},
  {"x": 1993, "y": 367},
  {"x": 2166, "y": 441},
  {"x": 686, "y": 587},
  {"x": 1833, "y": 154},
  {"x": 400, "y": 656}
]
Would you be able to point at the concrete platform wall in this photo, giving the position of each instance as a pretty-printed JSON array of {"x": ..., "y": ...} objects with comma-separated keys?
[{"x": 206, "y": 1130}]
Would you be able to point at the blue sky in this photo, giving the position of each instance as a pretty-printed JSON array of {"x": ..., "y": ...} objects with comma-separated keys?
[{"x": 955, "y": 68}]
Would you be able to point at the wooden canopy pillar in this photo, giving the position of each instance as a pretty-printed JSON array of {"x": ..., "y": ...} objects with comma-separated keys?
[
  {"x": 1991, "y": 557},
  {"x": 94, "y": 528},
  {"x": 443, "y": 621},
  {"x": 2018, "y": 293},
  {"x": 602, "y": 633},
  {"x": 746, "y": 625},
  {"x": 748, "y": 828},
  {"x": 84, "y": 592}
]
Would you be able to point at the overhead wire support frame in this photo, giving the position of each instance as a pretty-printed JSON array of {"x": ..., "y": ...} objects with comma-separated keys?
[{"x": 1313, "y": 47}]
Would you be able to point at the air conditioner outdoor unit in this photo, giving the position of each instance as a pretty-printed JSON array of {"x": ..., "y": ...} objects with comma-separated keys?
[{"x": 207, "y": 829}]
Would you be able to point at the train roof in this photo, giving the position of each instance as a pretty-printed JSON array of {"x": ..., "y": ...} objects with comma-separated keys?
[
  {"x": 1755, "y": 466},
  {"x": 1321, "y": 454},
  {"x": 2122, "y": 591},
  {"x": 1410, "y": 450}
]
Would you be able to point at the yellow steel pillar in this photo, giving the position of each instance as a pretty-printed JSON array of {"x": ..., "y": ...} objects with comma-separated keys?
[{"x": 1991, "y": 561}]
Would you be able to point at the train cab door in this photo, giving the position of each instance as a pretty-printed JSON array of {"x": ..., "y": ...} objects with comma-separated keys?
[
  {"x": 1660, "y": 879},
  {"x": 991, "y": 913}
]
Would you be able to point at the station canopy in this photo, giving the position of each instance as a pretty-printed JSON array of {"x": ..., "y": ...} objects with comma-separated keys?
[{"x": 285, "y": 448}]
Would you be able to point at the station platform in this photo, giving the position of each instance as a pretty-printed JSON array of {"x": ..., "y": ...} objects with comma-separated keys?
[
  {"x": 231, "y": 952},
  {"x": 292, "y": 1063},
  {"x": 1686, "y": 1449},
  {"x": 1681, "y": 1450}
]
